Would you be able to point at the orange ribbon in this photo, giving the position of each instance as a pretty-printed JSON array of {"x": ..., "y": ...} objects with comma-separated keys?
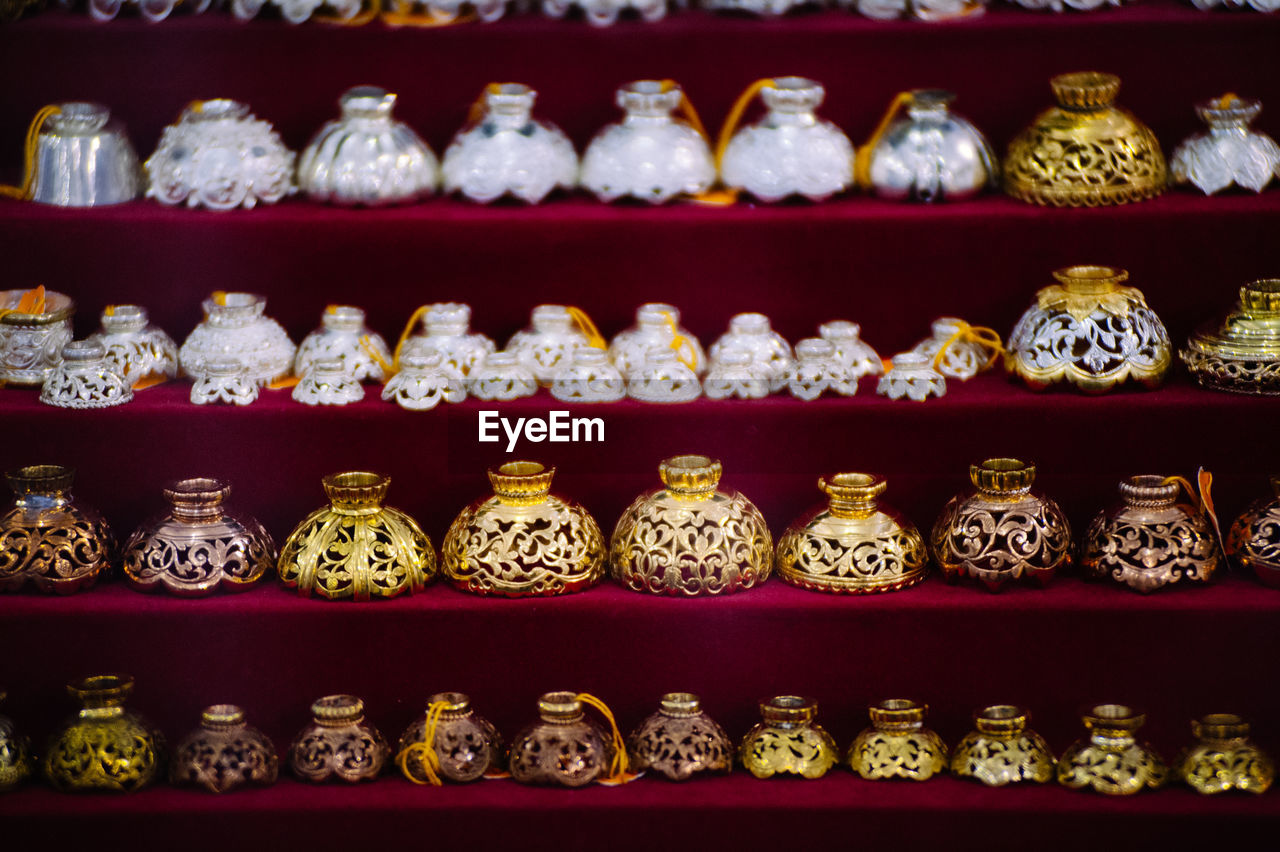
[{"x": 27, "y": 190}]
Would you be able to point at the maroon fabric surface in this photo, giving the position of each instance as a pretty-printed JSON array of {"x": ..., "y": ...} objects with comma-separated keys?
[{"x": 734, "y": 812}]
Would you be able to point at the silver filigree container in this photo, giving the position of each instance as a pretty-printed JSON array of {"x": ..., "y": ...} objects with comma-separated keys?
[
  {"x": 790, "y": 151},
  {"x": 344, "y": 336},
  {"x": 218, "y": 155},
  {"x": 198, "y": 547},
  {"x": 138, "y": 349},
  {"x": 649, "y": 155},
  {"x": 589, "y": 377},
  {"x": 296, "y": 11},
  {"x": 17, "y": 761},
  {"x": 931, "y": 154},
  {"x": 366, "y": 157},
  {"x": 663, "y": 378},
  {"x": 235, "y": 329},
  {"x": 548, "y": 344},
  {"x": 31, "y": 338},
  {"x": 604, "y": 13},
  {"x": 1229, "y": 153},
  {"x": 224, "y": 381},
  {"x": 752, "y": 332},
  {"x": 853, "y": 356},
  {"x": 85, "y": 379},
  {"x": 501, "y": 377},
  {"x": 84, "y": 159},
  {"x": 817, "y": 371},
  {"x": 509, "y": 152},
  {"x": 736, "y": 373},
  {"x": 953, "y": 352},
  {"x": 446, "y": 328},
  {"x": 657, "y": 324},
  {"x": 423, "y": 382},
  {"x": 923, "y": 10},
  {"x": 911, "y": 376},
  {"x": 327, "y": 383},
  {"x": 680, "y": 741},
  {"x": 224, "y": 753}
]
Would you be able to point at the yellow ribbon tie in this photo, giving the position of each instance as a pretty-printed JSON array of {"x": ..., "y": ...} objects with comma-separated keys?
[
  {"x": 594, "y": 339},
  {"x": 1202, "y": 500},
  {"x": 431, "y": 19},
  {"x": 149, "y": 381},
  {"x": 404, "y": 336},
  {"x": 723, "y": 197},
  {"x": 1227, "y": 101},
  {"x": 987, "y": 338},
  {"x": 680, "y": 343},
  {"x": 284, "y": 382},
  {"x": 619, "y": 766},
  {"x": 364, "y": 16},
  {"x": 425, "y": 751},
  {"x": 476, "y": 113},
  {"x": 862, "y": 159},
  {"x": 388, "y": 370},
  {"x": 31, "y": 302},
  {"x": 27, "y": 190}
]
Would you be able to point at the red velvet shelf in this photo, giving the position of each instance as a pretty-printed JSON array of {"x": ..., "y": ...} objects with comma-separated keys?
[{"x": 646, "y": 814}]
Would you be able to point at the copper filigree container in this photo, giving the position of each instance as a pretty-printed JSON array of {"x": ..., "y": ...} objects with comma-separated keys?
[
  {"x": 898, "y": 745},
  {"x": 563, "y": 748},
  {"x": 356, "y": 548},
  {"x": 105, "y": 747},
  {"x": 463, "y": 745},
  {"x": 1089, "y": 331},
  {"x": 224, "y": 753},
  {"x": 1002, "y": 750},
  {"x": 680, "y": 741},
  {"x": 1149, "y": 540},
  {"x": 1003, "y": 531},
  {"x": 338, "y": 744},
  {"x": 787, "y": 740},
  {"x": 16, "y": 759},
  {"x": 523, "y": 540},
  {"x": 1224, "y": 758},
  {"x": 690, "y": 537},
  {"x": 854, "y": 544},
  {"x": 1240, "y": 352},
  {"x": 1085, "y": 152},
  {"x": 198, "y": 547},
  {"x": 47, "y": 539},
  {"x": 1111, "y": 760},
  {"x": 1254, "y": 539}
]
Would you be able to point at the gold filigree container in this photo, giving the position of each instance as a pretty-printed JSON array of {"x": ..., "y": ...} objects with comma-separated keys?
[
  {"x": 463, "y": 745},
  {"x": 1149, "y": 540},
  {"x": 690, "y": 537},
  {"x": 787, "y": 740},
  {"x": 1089, "y": 331},
  {"x": 1085, "y": 152},
  {"x": 523, "y": 540},
  {"x": 16, "y": 759},
  {"x": 564, "y": 747},
  {"x": 1224, "y": 758},
  {"x": 680, "y": 741},
  {"x": 1002, "y": 750},
  {"x": 1111, "y": 760},
  {"x": 338, "y": 744},
  {"x": 1003, "y": 531},
  {"x": 48, "y": 539},
  {"x": 854, "y": 544},
  {"x": 356, "y": 548},
  {"x": 198, "y": 547},
  {"x": 105, "y": 747},
  {"x": 1240, "y": 352},
  {"x": 898, "y": 745},
  {"x": 1254, "y": 539},
  {"x": 224, "y": 753}
]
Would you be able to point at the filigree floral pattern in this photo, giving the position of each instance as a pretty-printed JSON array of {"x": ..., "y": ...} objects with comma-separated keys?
[
  {"x": 1243, "y": 375},
  {"x": 104, "y": 754},
  {"x": 571, "y": 755},
  {"x": 1104, "y": 348},
  {"x": 995, "y": 542},
  {"x": 1120, "y": 768},
  {"x": 878, "y": 563},
  {"x": 221, "y": 760},
  {"x": 1222, "y": 767},
  {"x": 1254, "y": 540},
  {"x": 666, "y": 545},
  {"x": 552, "y": 548},
  {"x": 64, "y": 549},
  {"x": 349, "y": 753},
  {"x": 680, "y": 746},
  {"x": 466, "y": 747},
  {"x": 807, "y": 751},
  {"x": 1149, "y": 554},
  {"x": 185, "y": 562},
  {"x": 915, "y": 756},
  {"x": 1000, "y": 760}
]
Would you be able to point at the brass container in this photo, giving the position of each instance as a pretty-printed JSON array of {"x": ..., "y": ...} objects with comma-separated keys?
[
  {"x": 105, "y": 747},
  {"x": 224, "y": 753},
  {"x": 1224, "y": 758},
  {"x": 689, "y": 537},
  {"x": 898, "y": 745},
  {"x": 853, "y": 545},
  {"x": 523, "y": 540},
  {"x": 787, "y": 740},
  {"x": 1085, "y": 152},
  {"x": 49, "y": 540},
  {"x": 31, "y": 343},
  {"x": 1001, "y": 749},
  {"x": 463, "y": 747},
  {"x": 1111, "y": 760},
  {"x": 198, "y": 547},
  {"x": 1089, "y": 331},
  {"x": 1003, "y": 531},
  {"x": 1241, "y": 351},
  {"x": 16, "y": 759},
  {"x": 356, "y": 548},
  {"x": 1149, "y": 540},
  {"x": 680, "y": 741},
  {"x": 1254, "y": 538},
  {"x": 338, "y": 744},
  {"x": 564, "y": 747}
]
